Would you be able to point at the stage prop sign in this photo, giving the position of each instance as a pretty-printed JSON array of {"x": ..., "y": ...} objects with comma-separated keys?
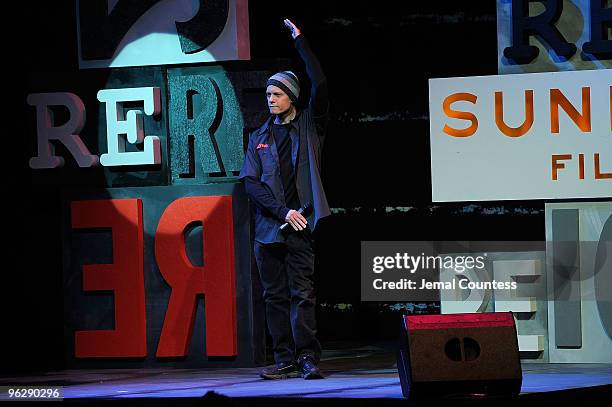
[
  {"x": 160, "y": 32},
  {"x": 553, "y": 35},
  {"x": 573, "y": 322},
  {"x": 157, "y": 256},
  {"x": 537, "y": 133},
  {"x": 125, "y": 276},
  {"x": 527, "y": 269},
  {"x": 524, "y": 136},
  {"x": 579, "y": 269},
  {"x": 152, "y": 273},
  {"x": 169, "y": 141}
]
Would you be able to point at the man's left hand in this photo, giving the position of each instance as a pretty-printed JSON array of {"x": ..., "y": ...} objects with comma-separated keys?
[{"x": 294, "y": 30}]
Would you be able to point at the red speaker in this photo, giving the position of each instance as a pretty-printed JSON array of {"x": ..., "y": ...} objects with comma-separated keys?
[{"x": 459, "y": 355}]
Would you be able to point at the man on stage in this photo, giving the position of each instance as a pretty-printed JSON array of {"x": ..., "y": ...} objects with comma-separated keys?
[{"x": 281, "y": 173}]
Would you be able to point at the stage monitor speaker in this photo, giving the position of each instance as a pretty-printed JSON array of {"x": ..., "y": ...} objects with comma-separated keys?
[{"x": 459, "y": 355}]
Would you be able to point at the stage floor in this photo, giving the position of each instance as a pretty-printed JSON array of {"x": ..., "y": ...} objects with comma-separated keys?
[{"x": 360, "y": 373}]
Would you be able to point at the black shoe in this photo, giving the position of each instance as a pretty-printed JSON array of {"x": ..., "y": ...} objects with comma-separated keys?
[
  {"x": 283, "y": 370},
  {"x": 309, "y": 368}
]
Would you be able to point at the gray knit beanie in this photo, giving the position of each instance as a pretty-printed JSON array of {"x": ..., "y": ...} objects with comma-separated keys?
[{"x": 288, "y": 82}]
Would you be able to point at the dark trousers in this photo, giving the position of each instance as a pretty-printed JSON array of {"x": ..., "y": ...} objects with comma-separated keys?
[{"x": 286, "y": 271}]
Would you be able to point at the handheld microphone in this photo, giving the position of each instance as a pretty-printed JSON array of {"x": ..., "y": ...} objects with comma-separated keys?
[{"x": 304, "y": 210}]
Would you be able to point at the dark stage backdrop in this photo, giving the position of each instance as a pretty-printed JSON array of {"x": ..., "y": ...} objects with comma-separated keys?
[{"x": 378, "y": 56}]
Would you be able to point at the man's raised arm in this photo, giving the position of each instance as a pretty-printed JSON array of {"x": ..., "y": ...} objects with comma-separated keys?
[{"x": 319, "y": 103}]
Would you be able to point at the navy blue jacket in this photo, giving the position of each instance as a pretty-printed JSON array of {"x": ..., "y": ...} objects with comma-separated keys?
[{"x": 261, "y": 169}]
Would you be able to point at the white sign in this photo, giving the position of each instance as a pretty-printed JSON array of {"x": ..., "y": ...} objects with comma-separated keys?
[{"x": 524, "y": 136}]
